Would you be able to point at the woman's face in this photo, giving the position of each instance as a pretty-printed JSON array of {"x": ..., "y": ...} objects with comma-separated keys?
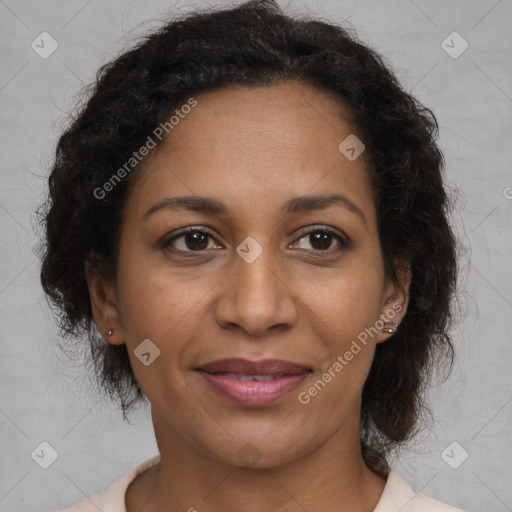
[{"x": 261, "y": 278}]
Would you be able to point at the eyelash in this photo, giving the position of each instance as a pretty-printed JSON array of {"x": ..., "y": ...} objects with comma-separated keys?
[{"x": 341, "y": 239}]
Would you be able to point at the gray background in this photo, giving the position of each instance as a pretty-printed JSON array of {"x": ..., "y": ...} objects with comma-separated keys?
[{"x": 45, "y": 398}]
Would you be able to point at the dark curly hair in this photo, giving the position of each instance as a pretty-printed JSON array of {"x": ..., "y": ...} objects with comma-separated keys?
[{"x": 256, "y": 44}]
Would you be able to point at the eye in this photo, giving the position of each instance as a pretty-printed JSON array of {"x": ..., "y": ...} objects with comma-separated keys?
[
  {"x": 197, "y": 239},
  {"x": 320, "y": 240},
  {"x": 191, "y": 239}
]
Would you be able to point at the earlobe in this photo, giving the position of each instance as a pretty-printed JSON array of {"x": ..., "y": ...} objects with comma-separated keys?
[
  {"x": 104, "y": 305},
  {"x": 395, "y": 303}
]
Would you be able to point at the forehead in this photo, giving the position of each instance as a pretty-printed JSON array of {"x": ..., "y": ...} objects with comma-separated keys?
[
  {"x": 286, "y": 114},
  {"x": 257, "y": 146}
]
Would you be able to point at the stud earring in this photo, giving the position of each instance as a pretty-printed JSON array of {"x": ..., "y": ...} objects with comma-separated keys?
[
  {"x": 390, "y": 330},
  {"x": 110, "y": 332}
]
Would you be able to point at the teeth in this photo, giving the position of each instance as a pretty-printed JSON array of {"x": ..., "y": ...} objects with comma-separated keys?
[
  {"x": 259, "y": 378},
  {"x": 266, "y": 377}
]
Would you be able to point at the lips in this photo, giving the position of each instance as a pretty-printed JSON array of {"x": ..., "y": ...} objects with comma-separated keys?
[
  {"x": 253, "y": 382},
  {"x": 245, "y": 367}
]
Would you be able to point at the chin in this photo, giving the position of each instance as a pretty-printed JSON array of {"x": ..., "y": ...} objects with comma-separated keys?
[{"x": 256, "y": 449}]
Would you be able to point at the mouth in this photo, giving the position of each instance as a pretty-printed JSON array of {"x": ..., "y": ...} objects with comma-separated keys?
[{"x": 253, "y": 383}]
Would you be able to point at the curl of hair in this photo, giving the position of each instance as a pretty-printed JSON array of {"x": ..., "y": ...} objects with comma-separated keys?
[{"x": 251, "y": 45}]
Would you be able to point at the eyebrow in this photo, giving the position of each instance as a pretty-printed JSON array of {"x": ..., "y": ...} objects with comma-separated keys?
[{"x": 202, "y": 204}]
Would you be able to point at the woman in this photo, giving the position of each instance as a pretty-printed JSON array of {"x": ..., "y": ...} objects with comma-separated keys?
[{"x": 248, "y": 222}]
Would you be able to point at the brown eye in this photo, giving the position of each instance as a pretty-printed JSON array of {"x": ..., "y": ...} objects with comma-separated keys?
[
  {"x": 192, "y": 240},
  {"x": 321, "y": 240},
  {"x": 189, "y": 240}
]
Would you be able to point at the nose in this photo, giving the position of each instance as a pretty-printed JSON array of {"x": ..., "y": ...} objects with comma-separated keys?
[{"x": 257, "y": 297}]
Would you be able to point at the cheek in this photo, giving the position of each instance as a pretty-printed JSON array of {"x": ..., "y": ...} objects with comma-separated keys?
[
  {"x": 347, "y": 301},
  {"x": 165, "y": 305},
  {"x": 154, "y": 305},
  {"x": 349, "y": 308},
  {"x": 152, "y": 300}
]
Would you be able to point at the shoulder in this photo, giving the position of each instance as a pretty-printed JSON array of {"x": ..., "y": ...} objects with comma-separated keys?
[
  {"x": 112, "y": 498},
  {"x": 398, "y": 495}
]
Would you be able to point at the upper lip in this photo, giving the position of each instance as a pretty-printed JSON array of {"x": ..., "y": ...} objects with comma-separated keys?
[{"x": 247, "y": 367}]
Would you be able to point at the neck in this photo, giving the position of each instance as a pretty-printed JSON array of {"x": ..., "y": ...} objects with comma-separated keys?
[{"x": 332, "y": 477}]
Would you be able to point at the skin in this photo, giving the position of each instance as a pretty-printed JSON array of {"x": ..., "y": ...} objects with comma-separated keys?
[{"x": 252, "y": 149}]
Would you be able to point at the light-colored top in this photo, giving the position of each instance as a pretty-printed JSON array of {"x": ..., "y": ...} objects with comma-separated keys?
[{"x": 397, "y": 496}]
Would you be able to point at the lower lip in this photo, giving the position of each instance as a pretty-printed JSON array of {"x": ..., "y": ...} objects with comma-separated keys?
[{"x": 253, "y": 392}]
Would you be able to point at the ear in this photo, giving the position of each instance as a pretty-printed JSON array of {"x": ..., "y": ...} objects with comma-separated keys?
[
  {"x": 102, "y": 292},
  {"x": 395, "y": 302}
]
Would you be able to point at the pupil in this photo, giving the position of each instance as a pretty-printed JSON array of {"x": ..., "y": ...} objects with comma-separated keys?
[{"x": 322, "y": 238}]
